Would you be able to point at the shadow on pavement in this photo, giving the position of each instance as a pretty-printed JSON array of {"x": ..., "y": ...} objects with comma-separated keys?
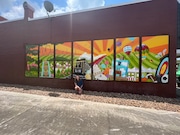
[{"x": 54, "y": 94}]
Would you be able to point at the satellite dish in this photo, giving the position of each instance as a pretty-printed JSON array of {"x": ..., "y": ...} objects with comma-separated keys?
[{"x": 48, "y": 6}]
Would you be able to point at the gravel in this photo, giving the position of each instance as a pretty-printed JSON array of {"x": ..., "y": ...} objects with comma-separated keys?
[{"x": 144, "y": 101}]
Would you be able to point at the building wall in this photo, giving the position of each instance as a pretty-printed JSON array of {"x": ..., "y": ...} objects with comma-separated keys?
[
  {"x": 178, "y": 41},
  {"x": 136, "y": 20}
]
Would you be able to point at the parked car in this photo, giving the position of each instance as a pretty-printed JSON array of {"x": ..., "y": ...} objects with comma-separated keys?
[{"x": 178, "y": 71}]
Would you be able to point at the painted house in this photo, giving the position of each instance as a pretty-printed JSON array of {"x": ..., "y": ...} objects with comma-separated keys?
[{"x": 47, "y": 51}]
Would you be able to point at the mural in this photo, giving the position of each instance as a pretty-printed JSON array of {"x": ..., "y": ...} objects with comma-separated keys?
[
  {"x": 63, "y": 60},
  {"x": 155, "y": 60},
  {"x": 31, "y": 61},
  {"x": 82, "y": 59},
  {"x": 127, "y": 59},
  {"x": 103, "y": 57},
  {"x": 46, "y": 57}
]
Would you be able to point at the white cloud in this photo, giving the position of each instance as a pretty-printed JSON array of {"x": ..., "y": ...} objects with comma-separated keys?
[
  {"x": 16, "y": 9},
  {"x": 74, "y": 5},
  {"x": 6, "y": 4},
  {"x": 14, "y": 13}
]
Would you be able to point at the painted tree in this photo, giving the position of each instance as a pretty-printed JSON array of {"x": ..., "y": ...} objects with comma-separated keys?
[{"x": 31, "y": 50}]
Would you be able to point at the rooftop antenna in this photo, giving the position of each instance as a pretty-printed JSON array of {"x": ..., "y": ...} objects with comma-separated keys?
[{"x": 48, "y": 6}]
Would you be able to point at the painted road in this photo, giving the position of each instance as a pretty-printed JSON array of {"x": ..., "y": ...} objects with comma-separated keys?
[{"x": 26, "y": 114}]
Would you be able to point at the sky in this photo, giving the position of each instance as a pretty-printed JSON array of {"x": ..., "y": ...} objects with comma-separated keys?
[{"x": 13, "y": 9}]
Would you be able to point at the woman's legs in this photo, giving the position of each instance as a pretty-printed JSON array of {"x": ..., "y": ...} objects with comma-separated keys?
[{"x": 78, "y": 89}]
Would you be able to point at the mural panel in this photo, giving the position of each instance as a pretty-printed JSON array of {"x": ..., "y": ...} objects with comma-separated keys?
[
  {"x": 155, "y": 60},
  {"x": 127, "y": 59},
  {"x": 46, "y": 57},
  {"x": 31, "y": 61},
  {"x": 82, "y": 59},
  {"x": 63, "y": 60},
  {"x": 103, "y": 57}
]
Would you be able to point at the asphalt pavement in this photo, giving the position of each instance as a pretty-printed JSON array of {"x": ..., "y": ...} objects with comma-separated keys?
[{"x": 27, "y": 114}]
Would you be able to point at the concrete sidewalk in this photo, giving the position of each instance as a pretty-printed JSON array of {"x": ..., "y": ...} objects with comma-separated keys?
[{"x": 26, "y": 114}]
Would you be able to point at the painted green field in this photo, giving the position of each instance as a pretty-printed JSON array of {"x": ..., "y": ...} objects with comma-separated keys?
[{"x": 151, "y": 61}]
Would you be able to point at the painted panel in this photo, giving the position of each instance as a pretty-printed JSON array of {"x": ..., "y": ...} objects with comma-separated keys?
[
  {"x": 63, "y": 60},
  {"x": 155, "y": 60},
  {"x": 127, "y": 59},
  {"x": 82, "y": 59},
  {"x": 31, "y": 61},
  {"x": 46, "y": 57},
  {"x": 103, "y": 57}
]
